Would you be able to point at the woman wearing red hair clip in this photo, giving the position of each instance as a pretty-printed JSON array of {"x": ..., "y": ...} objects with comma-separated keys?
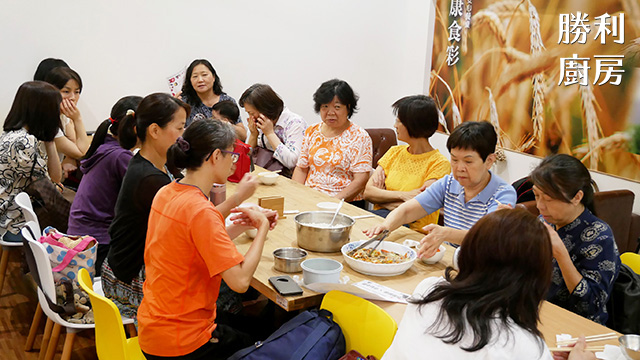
[{"x": 103, "y": 168}]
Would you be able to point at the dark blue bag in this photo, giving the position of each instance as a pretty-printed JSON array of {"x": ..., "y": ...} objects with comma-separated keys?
[{"x": 312, "y": 335}]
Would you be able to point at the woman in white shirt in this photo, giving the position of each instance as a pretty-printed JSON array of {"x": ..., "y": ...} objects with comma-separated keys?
[
  {"x": 489, "y": 309},
  {"x": 273, "y": 127}
]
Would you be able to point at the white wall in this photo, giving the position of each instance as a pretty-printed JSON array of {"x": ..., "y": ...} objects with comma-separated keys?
[
  {"x": 382, "y": 48},
  {"x": 130, "y": 47}
]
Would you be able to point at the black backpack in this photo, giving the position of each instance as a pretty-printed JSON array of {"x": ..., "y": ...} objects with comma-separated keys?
[{"x": 624, "y": 304}]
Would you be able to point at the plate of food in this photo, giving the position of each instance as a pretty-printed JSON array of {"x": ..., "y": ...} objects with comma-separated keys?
[{"x": 388, "y": 259}]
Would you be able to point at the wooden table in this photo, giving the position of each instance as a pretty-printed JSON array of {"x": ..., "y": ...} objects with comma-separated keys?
[{"x": 554, "y": 320}]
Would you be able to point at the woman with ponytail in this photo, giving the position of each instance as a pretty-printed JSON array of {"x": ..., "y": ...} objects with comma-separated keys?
[
  {"x": 188, "y": 252},
  {"x": 103, "y": 169},
  {"x": 157, "y": 123}
]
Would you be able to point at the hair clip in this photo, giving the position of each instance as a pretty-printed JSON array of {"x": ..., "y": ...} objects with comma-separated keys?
[
  {"x": 183, "y": 144},
  {"x": 112, "y": 121},
  {"x": 131, "y": 112}
]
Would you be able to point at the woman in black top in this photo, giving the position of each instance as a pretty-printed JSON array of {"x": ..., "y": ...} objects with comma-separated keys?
[{"x": 160, "y": 120}]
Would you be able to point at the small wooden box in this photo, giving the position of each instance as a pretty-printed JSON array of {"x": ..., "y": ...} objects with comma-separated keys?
[{"x": 274, "y": 203}]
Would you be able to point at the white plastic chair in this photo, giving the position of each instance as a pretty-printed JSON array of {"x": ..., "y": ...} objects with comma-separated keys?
[
  {"x": 55, "y": 322},
  {"x": 23, "y": 201}
]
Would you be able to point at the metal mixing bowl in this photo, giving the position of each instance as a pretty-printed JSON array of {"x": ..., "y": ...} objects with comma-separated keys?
[
  {"x": 630, "y": 345},
  {"x": 288, "y": 259},
  {"x": 312, "y": 236}
]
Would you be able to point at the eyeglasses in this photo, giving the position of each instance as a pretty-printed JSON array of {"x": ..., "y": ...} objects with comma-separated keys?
[{"x": 234, "y": 155}]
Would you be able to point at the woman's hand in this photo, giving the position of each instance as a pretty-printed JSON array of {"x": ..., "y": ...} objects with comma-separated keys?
[
  {"x": 251, "y": 123},
  {"x": 579, "y": 352},
  {"x": 557, "y": 245},
  {"x": 246, "y": 187},
  {"x": 265, "y": 124},
  {"x": 249, "y": 216},
  {"x": 378, "y": 178},
  {"x": 371, "y": 232},
  {"x": 69, "y": 109},
  {"x": 241, "y": 219},
  {"x": 429, "y": 244}
]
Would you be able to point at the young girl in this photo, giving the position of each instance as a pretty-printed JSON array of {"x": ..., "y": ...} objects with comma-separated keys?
[
  {"x": 103, "y": 169},
  {"x": 27, "y": 151},
  {"x": 72, "y": 141},
  {"x": 189, "y": 251}
]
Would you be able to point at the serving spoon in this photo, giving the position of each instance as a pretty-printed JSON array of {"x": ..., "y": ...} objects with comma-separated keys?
[{"x": 336, "y": 213}]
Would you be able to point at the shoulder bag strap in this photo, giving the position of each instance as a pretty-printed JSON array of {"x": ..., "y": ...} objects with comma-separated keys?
[{"x": 311, "y": 340}]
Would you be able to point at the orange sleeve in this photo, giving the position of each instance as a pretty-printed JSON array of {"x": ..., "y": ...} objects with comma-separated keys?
[{"x": 210, "y": 237}]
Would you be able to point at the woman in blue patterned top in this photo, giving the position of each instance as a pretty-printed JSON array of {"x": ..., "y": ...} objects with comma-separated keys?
[
  {"x": 586, "y": 260},
  {"x": 202, "y": 89}
]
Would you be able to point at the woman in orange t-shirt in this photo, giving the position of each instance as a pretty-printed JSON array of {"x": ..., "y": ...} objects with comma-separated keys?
[
  {"x": 188, "y": 252},
  {"x": 336, "y": 154}
]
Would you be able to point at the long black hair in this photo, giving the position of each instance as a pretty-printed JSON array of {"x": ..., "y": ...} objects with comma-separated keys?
[
  {"x": 36, "y": 107},
  {"x": 157, "y": 108},
  {"x": 112, "y": 124},
  {"x": 188, "y": 92},
  {"x": 505, "y": 272}
]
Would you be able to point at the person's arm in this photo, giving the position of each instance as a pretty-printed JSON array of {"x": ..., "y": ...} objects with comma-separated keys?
[
  {"x": 78, "y": 135},
  {"x": 239, "y": 276},
  {"x": 354, "y": 188},
  {"x": 377, "y": 194},
  {"x": 408, "y": 212},
  {"x": 571, "y": 275},
  {"x": 300, "y": 174},
  {"x": 436, "y": 235},
  {"x": 241, "y": 132},
  {"x": 288, "y": 152},
  {"x": 53, "y": 162},
  {"x": 246, "y": 187}
]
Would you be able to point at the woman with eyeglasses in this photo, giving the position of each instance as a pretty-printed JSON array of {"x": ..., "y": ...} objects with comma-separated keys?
[{"x": 189, "y": 252}]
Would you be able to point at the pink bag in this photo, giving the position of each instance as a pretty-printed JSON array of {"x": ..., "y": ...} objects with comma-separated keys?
[{"x": 65, "y": 261}]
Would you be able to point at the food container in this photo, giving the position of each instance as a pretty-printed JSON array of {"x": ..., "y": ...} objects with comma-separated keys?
[
  {"x": 436, "y": 257},
  {"x": 630, "y": 346},
  {"x": 313, "y": 231},
  {"x": 268, "y": 177},
  {"x": 288, "y": 259},
  {"x": 321, "y": 270},
  {"x": 369, "y": 268}
]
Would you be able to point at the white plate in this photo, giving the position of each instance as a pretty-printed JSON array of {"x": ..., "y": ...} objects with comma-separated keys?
[
  {"x": 372, "y": 269},
  {"x": 327, "y": 205}
]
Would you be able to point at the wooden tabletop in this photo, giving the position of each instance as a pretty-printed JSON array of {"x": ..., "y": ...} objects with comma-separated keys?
[{"x": 554, "y": 320}]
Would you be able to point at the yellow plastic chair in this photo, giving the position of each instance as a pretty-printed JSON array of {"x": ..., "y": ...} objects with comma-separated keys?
[
  {"x": 111, "y": 341},
  {"x": 632, "y": 260},
  {"x": 366, "y": 327}
]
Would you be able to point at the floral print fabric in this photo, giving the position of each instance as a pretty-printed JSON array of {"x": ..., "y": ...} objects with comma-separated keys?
[{"x": 333, "y": 161}]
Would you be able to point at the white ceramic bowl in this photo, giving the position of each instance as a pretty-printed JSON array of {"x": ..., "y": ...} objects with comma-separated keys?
[
  {"x": 368, "y": 268},
  {"x": 435, "y": 258},
  {"x": 328, "y": 205},
  {"x": 268, "y": 177},
  {"x": 321, "y": 270}
]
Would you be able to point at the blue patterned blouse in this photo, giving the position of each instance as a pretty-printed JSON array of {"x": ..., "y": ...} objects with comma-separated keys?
[
  {"x": 202, "y": 111},
  {"x": 594, "y": 253}
]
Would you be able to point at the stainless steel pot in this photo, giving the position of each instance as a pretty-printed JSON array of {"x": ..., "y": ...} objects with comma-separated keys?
[
  {"x": 312, "y": 235},
  {"x": 288, "y": 259}
]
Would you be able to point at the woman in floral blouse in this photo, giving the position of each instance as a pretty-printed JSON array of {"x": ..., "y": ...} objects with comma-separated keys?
[
  {"x": 586, "y": 260},
  {"x": 336, "y": 153},
  {"x": 27, "y": 150}
]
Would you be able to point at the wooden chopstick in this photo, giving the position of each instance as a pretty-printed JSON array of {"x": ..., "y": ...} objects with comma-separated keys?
[
  {"x": 568, "y": 349},
  {"x": 592, "y": 338}
]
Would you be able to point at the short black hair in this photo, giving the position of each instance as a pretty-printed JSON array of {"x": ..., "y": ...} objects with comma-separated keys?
[
  {"x": 479, "y": 136},
  {"x": 561, "y": 176},
  {"x": 36, "y": 106},
  {"x": 227, "y": 109},
  {"x": 47, "y": 65},
  {"x": 332, "y": 88},
  {"x": 188, "y": 92},
  {"x": 419, "y": 114},
  {"x": 59, "y": 77},
  {"x": 264, "y": 99}
]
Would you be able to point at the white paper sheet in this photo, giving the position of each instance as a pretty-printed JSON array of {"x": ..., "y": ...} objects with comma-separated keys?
[
  {"x": 365, "y": 289},
  {"x": 175, "y": 81}
]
